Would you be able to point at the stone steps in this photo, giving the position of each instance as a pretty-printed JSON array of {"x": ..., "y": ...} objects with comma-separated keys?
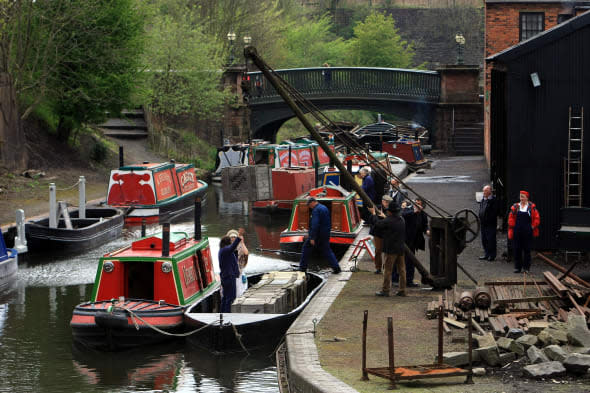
[
  {"x": 468, "y": 139},
  {"x": 131, "y": 125}
]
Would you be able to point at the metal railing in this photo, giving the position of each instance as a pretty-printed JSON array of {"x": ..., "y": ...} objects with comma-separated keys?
[{"x": 362, "y": 82}]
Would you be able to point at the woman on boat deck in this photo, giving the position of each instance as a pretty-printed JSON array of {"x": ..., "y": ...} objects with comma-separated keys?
[
  {"x": 242, "y": 254},
  {"x": 229, "y": 269},
  {"x": 523, "y": 225}
]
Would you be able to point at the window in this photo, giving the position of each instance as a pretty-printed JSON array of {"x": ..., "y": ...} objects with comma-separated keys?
[
  {"x": 563, "y": 17},
  {"x": 531, "y": 24}
]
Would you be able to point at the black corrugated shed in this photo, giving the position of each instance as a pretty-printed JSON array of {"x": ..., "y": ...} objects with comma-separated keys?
[{"x": 529, "y": 125}]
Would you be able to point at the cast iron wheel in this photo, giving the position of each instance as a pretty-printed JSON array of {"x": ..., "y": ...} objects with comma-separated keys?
[{"x": 467, "y": 221}]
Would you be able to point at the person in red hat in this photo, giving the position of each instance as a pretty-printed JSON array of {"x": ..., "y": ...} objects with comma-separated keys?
[{"x": 523, "y": 225}]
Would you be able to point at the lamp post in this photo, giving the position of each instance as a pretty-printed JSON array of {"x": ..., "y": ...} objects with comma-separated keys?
[
  {"x": 231, "y": 37},
  {"x": 247, "y": 42},
  {"x": 460, "y": 40}
]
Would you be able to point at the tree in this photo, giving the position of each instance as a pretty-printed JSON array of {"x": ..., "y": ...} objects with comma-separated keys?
[
  {"x": 377, "y": 43},
  {"x": 310, "y": 43},
  {"x": 183, "y": 63}
]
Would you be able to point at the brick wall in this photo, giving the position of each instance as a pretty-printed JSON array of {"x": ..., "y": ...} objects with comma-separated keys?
[{"x": 502, "y": 22}]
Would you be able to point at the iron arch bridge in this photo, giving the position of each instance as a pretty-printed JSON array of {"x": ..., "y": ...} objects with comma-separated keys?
[{"x": 412, "y": 94}]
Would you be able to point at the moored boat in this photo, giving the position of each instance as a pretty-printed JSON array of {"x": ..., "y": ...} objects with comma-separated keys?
[
  {"x": 346, "y": 221},
  {"x": 8, "y": 263},
  {"x": 73, "y": 234},
  {"x": 143, "y": 290},
  {"x": 259, "y": 318},
  {"x": 154, "y": 191},
  {"x": 229, "y": 155},
  {"x": 287, "y": 184}
]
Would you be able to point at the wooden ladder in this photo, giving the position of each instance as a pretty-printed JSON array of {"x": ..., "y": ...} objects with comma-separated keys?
[{"x": 574, "y": 165}]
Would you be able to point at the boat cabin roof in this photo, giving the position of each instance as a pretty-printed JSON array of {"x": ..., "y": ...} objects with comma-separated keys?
[
  {"x": 326, "y": 193},
  {"x": 154, "y": 166},
  {"x": 152, "y": 246}
]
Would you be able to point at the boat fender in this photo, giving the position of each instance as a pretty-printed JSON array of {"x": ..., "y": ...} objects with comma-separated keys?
[{"x": 111, "y": 320}]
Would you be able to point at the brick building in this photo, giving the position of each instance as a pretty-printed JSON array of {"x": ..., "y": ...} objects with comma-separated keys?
[{"x": 508, "y": 22}]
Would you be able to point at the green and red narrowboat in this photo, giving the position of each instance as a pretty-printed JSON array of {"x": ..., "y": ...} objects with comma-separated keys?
[
  {"x": 144, "y": 289},
  {"x": 346, "y": 221},
  {"x": 154, "y": 191}
]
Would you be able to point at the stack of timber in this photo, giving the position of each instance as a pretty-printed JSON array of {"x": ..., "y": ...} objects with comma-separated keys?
[
  {"x": 504, "y": 305},
  {"x": 275, "y": 293},
  {"x": 246, "y": 183}
]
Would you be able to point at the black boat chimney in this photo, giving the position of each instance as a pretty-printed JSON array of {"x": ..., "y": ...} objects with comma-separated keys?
[
  {"x": 166, "y": 239},
  {"x": 198, "y": 218},
  {"x": 121, "y": 157}
]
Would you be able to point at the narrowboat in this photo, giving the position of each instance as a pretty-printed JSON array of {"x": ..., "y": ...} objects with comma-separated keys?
[
  {"x": 74, "y": 234},
  {"x": 287, "y": 184},
  {"x": 346, "y": 220},
  {"x": 154, "y": 191},
  {"x": 141, "y": 292},
  {"x": 8, "y": 263},
  {"x": 288, "y": 154},
  {"x": 259, "y": 318},
  {"x": 409, "y": 150}
]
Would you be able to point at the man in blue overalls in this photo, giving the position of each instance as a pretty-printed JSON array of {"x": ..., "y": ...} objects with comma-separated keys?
[
  {"x": 319, "y": 236},
  {"x": 229, "y": 269}
]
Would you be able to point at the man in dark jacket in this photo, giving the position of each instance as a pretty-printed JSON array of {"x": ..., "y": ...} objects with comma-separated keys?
[
  {"x": 393, "y": 230},
  {"x": 377, "y": 237},
  {"x": 229, "y": 270},
  {"x": 397, "y": 193},
  {"x": 319, "y": 236},
  {"x": 488, "y": 213}
]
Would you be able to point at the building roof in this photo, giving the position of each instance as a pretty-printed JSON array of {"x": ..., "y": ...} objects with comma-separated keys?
[{"x": 546, "y": 37}]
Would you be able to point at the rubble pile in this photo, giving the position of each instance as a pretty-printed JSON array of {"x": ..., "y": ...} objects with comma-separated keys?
[{"x": 541, "y": 325}]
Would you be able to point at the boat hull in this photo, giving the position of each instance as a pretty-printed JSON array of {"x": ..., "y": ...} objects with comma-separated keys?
[
  {"x": 292, "y": 242},
  {"x": 156, "y": 213},
  {"x": 272, "y": 207},
  {"x": 101, "y": 226},
  {"x": 256, "y": 332},
  {"x": 94, "y": 326},
  {"x": 8, "y": 268}
]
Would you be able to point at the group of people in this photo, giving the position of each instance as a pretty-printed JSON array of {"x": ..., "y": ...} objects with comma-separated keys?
[{"x": 523, "y": 225}]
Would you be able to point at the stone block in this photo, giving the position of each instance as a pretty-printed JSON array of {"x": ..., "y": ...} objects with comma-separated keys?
[
  {"x": 555, "y": 352},
  {"x": 544, "y": 370},
  {"x": 536, "y": 327},
  {"x": 504, "y": 343},
  {"x": 577, "y": 331},
  {"x": 517, "y": 348},
  {"x": 507, "y": 357},
  {"x": 490, "y": 355},
  {"x": 479, "y": 371},
  {"x": 583, "y": 351},
  {"x": 515, "y": 333},
  {"x": 486, "y": 340},
  {"x": 577, "y": 363},
  {"x": 552, "y": 336},
  {"x": 536, "y": 355},
  {"x": 527, "y": 340},
  {"x": 457, "y": 359}
]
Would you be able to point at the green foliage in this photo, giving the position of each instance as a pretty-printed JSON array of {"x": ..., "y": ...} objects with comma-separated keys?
[
  {"x": 310, "y": 43},
  {"x": 98, "y": 152},
  {"x": 377, "y": 43},
  {"x": 183, "y": 63}
]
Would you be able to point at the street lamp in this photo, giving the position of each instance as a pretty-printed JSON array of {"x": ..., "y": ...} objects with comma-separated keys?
[
  {"x": 247, "y": 40},
  {"x": 231, "y": 37},
  {"x": 460, "y": 40}
]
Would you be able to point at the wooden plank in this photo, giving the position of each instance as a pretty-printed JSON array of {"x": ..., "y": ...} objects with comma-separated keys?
[
  {"x": 492, "y": 283},
  {"x": 496, "y": 326},
  {"x": 446, "y": 328},
  {"x": 477, "y": 327},
  {"x": 527, "y": 299},
  {"x": 576, "y": 305},
  {"x": 562, "y": 315},
  {"x": 454, "y": 323},
  {"x": 554, "y": 283}
]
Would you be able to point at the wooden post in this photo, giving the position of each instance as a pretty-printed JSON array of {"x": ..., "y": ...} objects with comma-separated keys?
[
  {"x": 391, "y": 353},
  {"x": 365, "y": 376},
  {"x": 469, "y": 379},
  {"x": 440, "y": 335},
  {"x": 197, "y": 218}
]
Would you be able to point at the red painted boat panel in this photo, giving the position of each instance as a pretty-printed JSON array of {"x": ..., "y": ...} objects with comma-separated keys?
[
  {"x": 208, "y": 261},
  {"x": 131, "y": 188},
  {"x": 292, "y": 239},
  {"x": 189, "y": 281},
  {"x": 341, "y": 240},
  {"x": 164, "y": 285},
  {"x": 155, "y": 243},
  {"x": 164, "y": 184},
  {"x": 111, "y": 284},
  {"x": 187, "y": 179},
  {"x": 289, "y": 183}
]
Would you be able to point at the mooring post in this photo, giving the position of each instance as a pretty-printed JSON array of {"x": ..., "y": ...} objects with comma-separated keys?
[
  {"x": 391, "y": 353},
  {"x": 365, "y": 376},
  {"x": 121, "y": 160},
  {"x": 20, "y": 240},
  {"x": 52, "y": 206},
  {"x": 469, "y": 379},
  {"x": 197, "y": 218},
  {"x": 82, "y": 197},
  {"x": 166, "y": 239},
  {"x": 440, "y": 335},
  {"x": 143, "y": 227}
]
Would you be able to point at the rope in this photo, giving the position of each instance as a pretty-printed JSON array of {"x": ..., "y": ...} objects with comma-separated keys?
[
  {"x": 68, "y": 188},
  {"x": 134, "y": 316},
  {"x": 239, "y": 337}
]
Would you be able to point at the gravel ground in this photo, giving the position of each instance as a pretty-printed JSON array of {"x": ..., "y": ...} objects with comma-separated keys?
[{"x": 451, "y": 184}]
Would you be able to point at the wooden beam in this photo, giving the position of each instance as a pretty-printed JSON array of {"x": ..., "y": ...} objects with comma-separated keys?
[
  {"x": 527, "y": 299},
  {"x": 562, "y": 269},
  {"x": 554, "y": 283},
  {"x": 454, "y": 323}
]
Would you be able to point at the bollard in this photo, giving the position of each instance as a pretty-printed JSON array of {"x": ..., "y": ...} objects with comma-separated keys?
[
  {"x": 121, "y": 160},
  {"x": 365, "y": 376},
  {"x": 20, "y": 241},
  {"x": 143, "y": 227},
  {"x": 166, "y": 239},
  {"x": 52, "y": 206},
  {"x": 82, "y": 197},
  {"x": 197, "y": 218}
]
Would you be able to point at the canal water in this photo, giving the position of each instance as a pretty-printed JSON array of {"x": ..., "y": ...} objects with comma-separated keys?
[{"x": 36, "y": 349}]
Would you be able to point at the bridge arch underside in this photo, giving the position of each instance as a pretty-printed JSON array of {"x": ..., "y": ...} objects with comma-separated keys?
[{"x": 267, "y": 118}]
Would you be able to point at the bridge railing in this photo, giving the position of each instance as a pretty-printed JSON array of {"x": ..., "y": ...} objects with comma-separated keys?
[{"x": 388, "y": 83}]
